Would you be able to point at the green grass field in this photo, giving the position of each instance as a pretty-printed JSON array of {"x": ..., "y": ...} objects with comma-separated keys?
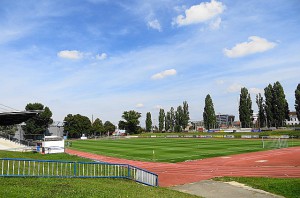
[
  {"x": 168, "y": 149},
  {"x": 295, "y": 134}
]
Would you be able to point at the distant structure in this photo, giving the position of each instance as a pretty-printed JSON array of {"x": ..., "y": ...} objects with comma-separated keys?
[
  {"x": 254, "y": 117},
  {"x": 196, "y": 126},
  {"x": 225, "y": 120},
  {"x": 293, "y": 119},
  {"x": 55, "y": 129},
  {"x": 119, "y": 132},
  {"x": 16, "y": 117}
]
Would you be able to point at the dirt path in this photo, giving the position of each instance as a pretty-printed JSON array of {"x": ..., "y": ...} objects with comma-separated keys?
[{"x": 273, "y": 163}]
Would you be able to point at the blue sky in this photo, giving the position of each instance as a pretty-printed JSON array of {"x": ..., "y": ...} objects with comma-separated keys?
[{"x": 101, "y": 57}]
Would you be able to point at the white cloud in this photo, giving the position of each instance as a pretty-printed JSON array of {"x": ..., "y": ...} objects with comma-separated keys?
[
  {"x": 164, "y": 74},
  {"x": 158, "y": 107},
  {"x": 214, "y": 25},
  {"x": 256, "y": 90},
  {"x": 70, "y": 54},
  {"x": 220, "y": 82},
  {"x": 139, "y": 105},
  {"x": 101, "y": 56},
  {"x": 200, "y": 13},
  {"x": 154, "y": 24},
  {"x": 236, "y": 87},
  {"x": 255, "y": 45}
]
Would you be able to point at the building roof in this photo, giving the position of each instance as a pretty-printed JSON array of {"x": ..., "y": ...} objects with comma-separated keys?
[
  {"x": 10, "y": 118},
  {"x": 57, "y": 124},
  {"x": 292, "y": 113}
]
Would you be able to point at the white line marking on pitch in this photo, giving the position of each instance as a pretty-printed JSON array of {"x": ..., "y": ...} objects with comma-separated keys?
[{"x": 261, "y": 161}]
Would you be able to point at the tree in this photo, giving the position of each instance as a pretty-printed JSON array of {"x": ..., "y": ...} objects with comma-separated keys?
[
  {"x": 178, "y": 119},
  {"x": 122, "y": 125},
  {"x": 172, "y": 119},
  {"x": 245, "y": 108},
  {"x": 185, "y": 115},
  {"x": 77, "y": 125},
  {"x": 97, "y": 127},
  {"x": 280, "y": 105},
  {"x": 168, "y": 121},
  {"x": 276, "y": 106},
  {"x": 297, "y": 101},
  {"x": 8, "y": 130},
  {"x": 261, "y": 110},
  {"x": 209, "y": 116},
  {"x": 131, "y": 121},
  {"x": 269, "y": 105},
  {"x": 37, "y": 125},
  {"x": 161, "y": 120},
  {"x": 109, "y": 127},
  {"x": 148, "y": 122}
]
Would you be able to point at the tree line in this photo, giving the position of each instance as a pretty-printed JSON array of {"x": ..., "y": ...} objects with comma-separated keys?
[
  {"x": 273, "y": 110},
  {"x": 170, "y": 121},
  {"x": 74, "y": 125},
  {"x": 77, "y": 125}
]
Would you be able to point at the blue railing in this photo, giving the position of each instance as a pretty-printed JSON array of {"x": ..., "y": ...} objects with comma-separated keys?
[{"x": 12, "y": 167}]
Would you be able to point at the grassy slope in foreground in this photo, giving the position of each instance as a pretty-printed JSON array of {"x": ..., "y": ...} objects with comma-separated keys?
[
  {"x": 51, "y": 187},
  {"x": 75, "y": 187},
  {"x": 287, "y": 187},
  {"x": 168, "y": 149}
]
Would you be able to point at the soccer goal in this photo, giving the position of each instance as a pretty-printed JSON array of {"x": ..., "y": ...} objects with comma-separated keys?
[{"x": 274, "y": 142}]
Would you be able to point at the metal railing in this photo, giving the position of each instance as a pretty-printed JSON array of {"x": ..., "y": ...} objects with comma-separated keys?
[{"x": 11, "y": 167}]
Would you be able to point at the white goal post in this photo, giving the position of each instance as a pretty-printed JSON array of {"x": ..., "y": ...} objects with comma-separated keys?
[{"x": 274, "y": 141}]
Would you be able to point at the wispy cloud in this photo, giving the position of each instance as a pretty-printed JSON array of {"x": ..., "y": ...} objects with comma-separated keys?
[
  {"x": 154, "y": 24},
  {"x": 163, "y": 74},
  {"x": 101, "y": 56},
  {"x": 200, "y": 13},
  {"x": 70, "y": 54},
  {"x": 214, "y": 25},
  {"x": 236, "y": 87},
  {"x": 254, "y": 90},
  {"x": 158, "y": 107},
  {"x": 219, "y": 82},
  {"x": 139, "y": 105},
  {"x": 255, "y": 45}
]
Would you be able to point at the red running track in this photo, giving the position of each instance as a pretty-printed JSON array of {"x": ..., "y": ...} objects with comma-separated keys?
[{"x": 274, "y": 163}]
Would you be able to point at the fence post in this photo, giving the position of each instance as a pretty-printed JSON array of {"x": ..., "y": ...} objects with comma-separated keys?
[
  {"x": 128, "y": 171},
  {"x": 75, "y": 169}
]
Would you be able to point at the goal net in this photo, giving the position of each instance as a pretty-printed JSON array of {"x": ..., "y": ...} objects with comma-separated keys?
[{"x": 274, "y": 142}]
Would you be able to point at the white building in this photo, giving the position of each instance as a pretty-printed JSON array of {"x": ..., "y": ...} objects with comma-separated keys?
[
  {"x": 293, "y": 119},
  {"x": 254, "y": 117},
  {"x": 53, "y": 144}
]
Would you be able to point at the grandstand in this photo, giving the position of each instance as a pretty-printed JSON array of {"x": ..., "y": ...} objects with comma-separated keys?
[{"x": 6, "y": 144}]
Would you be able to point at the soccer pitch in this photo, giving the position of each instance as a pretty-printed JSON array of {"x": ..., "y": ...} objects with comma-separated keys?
[{"x": 169, "y": 149}]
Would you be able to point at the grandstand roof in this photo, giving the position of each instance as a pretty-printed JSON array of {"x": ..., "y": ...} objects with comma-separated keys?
[{"x": 10, "y": 118}]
